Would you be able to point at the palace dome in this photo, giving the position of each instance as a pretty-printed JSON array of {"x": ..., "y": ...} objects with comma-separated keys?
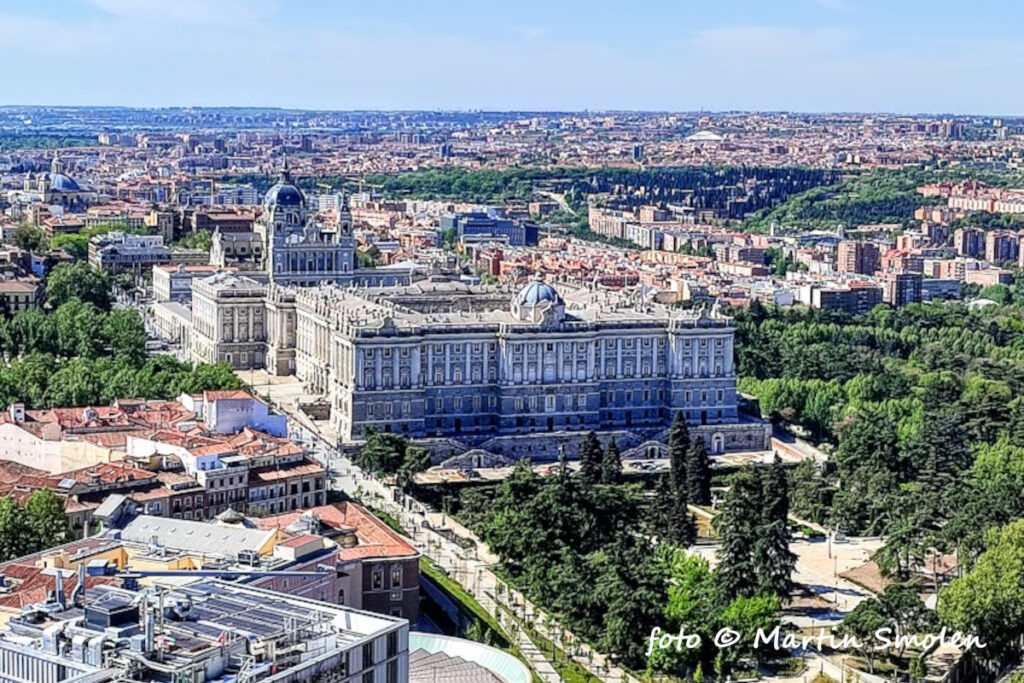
[{"x": 536, "y": 292}]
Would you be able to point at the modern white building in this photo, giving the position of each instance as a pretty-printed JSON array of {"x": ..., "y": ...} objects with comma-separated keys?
[{"x": 208, "y": 630}]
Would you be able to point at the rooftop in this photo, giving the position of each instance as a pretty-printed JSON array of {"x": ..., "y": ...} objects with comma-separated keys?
[{"x": 375, "y": 538}]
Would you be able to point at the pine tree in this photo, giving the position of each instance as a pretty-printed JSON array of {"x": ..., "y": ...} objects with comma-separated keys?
[
  {"x": 939, "y": 451},
  {"x": 737, "y": 528},
  {"x": 774, "y": 561},
  {"x": 611, "y": 464},
  {"x": 1015, "y": 426},
  {"x": 659, "y": 513},
  {"x": 678, "y": 444},
  {"x": 698, "y": 473},
  {"x": 681, "y": 529},
  {"x": 591, "y": 456}
]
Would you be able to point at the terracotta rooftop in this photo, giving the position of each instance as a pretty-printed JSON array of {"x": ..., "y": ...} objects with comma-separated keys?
[
  {"x": 376, "y": 539},
  {"x": 284, "y": 471},
  {"x": 29, "y": 585},
  {"x": 104, "y": 425}
]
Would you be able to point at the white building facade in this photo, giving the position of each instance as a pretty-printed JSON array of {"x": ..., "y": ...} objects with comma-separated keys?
[{"x": 448, "y": 361}]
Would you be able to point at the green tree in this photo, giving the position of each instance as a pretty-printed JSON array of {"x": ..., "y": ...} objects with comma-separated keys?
[
  {"x": 15, "y": 533},
  {"x": 383, "y": 453},
  {"x": 774, "y": 560},
  {"x": 125, "y": 332},
  {"x": 591, "y": 456},
  {"x": 28, "y": 237},
  {"x": 901, "y": 604},
  {"x": 738, "y": 526},
  {"x": 985, "y": 405},
  {"x": 698, "y": 473},
  {"x": 678, "y": 444},
  {"x": 748, "y": 615},
  {"x": 611, "y": 464},
  {"x": 79, "y": 281},
  {"x": 810, "y": 494},
  {"x": 989, "y": 600},
  {"x": 691, "y": 606},
  {"x": 633, "y": 592},
  {"x": 46, "y": 519},
  {"x": 754, "y": 533},
  {"x": 862, "y": 623}
]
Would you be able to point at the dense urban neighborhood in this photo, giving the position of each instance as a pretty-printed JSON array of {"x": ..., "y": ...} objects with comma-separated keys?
[{"x": 510, "y": 396}]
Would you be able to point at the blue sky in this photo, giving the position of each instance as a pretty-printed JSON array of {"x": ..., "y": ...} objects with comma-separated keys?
[{"x": 802, "y": 55}]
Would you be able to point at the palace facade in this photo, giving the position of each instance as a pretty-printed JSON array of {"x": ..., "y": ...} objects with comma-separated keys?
[
  {"x": 491, "y": 370},
  {"x": 446, "y": 360}
]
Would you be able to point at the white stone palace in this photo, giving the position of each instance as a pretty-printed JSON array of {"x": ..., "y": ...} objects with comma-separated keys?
[
  {"x": 491, "y": 370},
  {"x": 475, "y": 364}
]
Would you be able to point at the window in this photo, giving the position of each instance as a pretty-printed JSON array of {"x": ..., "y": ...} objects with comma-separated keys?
[
  {"x": 396, "y": 577},
  {"x": 378, "y": 579},
  {"x": 368, "y": 657},
  {"x": 392, "y": 670},
  {"x": 392, "y": 644}
]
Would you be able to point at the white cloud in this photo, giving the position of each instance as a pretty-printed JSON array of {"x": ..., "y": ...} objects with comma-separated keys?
[
  {"x": 772, "y": 42},
  {"x": 187, "y": 11}
]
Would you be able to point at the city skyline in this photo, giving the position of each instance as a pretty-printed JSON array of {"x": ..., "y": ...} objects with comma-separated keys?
[{"x": 797, "y": 55}]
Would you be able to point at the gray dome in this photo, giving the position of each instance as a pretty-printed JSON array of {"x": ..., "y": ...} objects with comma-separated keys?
[
  {"x": 284, "y": 192},
  {"x": 62, "y": 183},
  {"x": 536, "y": 292}
]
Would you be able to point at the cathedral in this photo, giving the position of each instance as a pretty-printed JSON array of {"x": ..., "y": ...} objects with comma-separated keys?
[
  {"x": 297, "y": 251},
  {"x": 247, "y": 319},
  {"x": 287, "y": 247},
  {"x": 56, "y": 188}
]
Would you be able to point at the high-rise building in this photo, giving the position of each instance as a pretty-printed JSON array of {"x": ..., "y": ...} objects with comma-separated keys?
[
  {"x": 858, "y": 257},
  {"x": 1001, "y": 245},
  {"x": 900, "y": 289},
  {"x": 969, "y": 242}
]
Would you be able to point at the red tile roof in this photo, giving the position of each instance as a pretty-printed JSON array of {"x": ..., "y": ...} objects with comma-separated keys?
[
  {"x": 376, "y": 539},
  {"x": 276, "y": 472}
]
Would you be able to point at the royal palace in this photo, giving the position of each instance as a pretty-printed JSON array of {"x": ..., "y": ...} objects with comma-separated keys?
[{"x": 487, "y": 367}]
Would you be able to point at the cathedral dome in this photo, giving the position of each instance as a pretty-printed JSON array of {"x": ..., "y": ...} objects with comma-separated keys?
[
  {"x": 536, "y": 292},
  {"x": 62, "y": 183},
  {"x": 284, "y": 192}
]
